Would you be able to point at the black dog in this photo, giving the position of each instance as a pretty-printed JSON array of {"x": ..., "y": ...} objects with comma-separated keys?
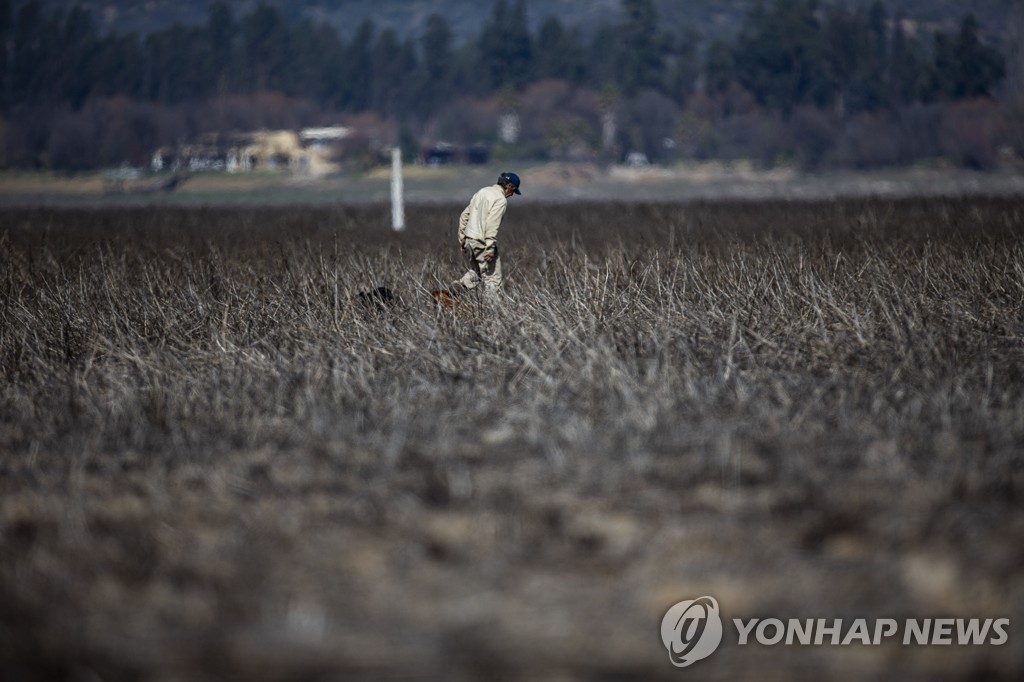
[{"x": 377, "y": 299}]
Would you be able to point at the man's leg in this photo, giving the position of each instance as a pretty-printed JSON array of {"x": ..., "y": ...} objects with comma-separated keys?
[
  {"x": 491, "y": 274},
  {"x": 471, "y": 279},
  {"x": 482, "y": 270}
]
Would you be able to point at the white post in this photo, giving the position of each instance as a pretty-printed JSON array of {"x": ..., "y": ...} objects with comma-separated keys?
[{"x": 397, "y": 207}]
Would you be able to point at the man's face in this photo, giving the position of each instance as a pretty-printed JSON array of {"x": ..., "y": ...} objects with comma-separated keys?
[{"x": 509, "y": 190}]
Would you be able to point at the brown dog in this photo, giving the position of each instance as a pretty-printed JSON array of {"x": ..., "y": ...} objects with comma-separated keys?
[{"x": 447, "y": 298}]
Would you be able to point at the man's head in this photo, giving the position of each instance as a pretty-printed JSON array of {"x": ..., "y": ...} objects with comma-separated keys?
[{"x": 510, "y": 183}]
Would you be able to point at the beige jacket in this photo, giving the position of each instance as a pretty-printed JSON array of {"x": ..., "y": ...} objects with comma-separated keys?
[{"x": 482, "y": 218}]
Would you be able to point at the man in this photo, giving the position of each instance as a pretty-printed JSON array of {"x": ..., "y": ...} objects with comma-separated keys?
[{"x": 478, "y": 233}]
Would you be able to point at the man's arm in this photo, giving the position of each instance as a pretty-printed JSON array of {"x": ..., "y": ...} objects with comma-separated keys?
[{"x": 463, "y": 221}]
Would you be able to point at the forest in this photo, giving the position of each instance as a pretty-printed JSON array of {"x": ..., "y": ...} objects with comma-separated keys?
[{"x": 814, "y": 83}]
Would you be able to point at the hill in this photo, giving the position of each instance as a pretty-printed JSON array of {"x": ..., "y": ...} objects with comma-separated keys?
[{"x": 707, "y": 18}]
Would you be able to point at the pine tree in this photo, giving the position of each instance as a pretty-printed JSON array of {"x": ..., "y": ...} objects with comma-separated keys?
[
  {"x": 435, "y": 82},
  {"x": 780, "y": 55},
  {"x": 220, "y": 30},
  {"x": 6, "y": 47},
  {"x": 602, "y": 58},
  {"x": 505, "y": 47},
  {"x": 682, "y": 68},
  {"x": 979, "y": 67},
  {"x": 964, "y": 66},
  {"x": 393, "y": 63},
  {"x": 909, "y": 71},
  {"x": 265, "y": 46},
  {"x": 640, "y": 60},
  {"x": 359, "y": 68},
  {"x": 1015, "y": 54},
  {"x": 559, "y": 52},
  {"x": 719, "y": 68}
]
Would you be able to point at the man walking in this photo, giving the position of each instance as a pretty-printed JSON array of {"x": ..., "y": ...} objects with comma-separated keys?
[{"x": 478, "y": 233}]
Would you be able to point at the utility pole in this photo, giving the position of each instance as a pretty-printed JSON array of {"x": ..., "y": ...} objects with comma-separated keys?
[{"x": 397, "y": 200}]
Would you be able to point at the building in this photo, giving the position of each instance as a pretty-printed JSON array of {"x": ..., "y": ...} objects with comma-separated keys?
[{"x": 309, "y": 151}]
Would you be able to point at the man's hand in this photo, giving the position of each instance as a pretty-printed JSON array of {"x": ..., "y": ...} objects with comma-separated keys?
[{"x": 488, "y": 256}]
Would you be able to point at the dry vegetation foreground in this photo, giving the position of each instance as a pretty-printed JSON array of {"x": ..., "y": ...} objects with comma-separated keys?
[{"x": 216, "y": 464}]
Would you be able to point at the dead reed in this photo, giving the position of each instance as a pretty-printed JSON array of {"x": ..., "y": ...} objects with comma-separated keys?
[{"x": 215, "y": 460}]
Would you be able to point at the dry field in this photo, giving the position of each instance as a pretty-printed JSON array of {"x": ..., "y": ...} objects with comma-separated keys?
[{"x": 216, "y": 464}]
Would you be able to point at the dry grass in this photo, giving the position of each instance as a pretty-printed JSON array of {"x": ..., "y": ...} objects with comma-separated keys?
[{"x": 217, "y": 464}]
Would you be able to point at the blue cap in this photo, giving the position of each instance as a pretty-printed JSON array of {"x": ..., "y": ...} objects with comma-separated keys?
[{"x": 510, "y": 179}]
